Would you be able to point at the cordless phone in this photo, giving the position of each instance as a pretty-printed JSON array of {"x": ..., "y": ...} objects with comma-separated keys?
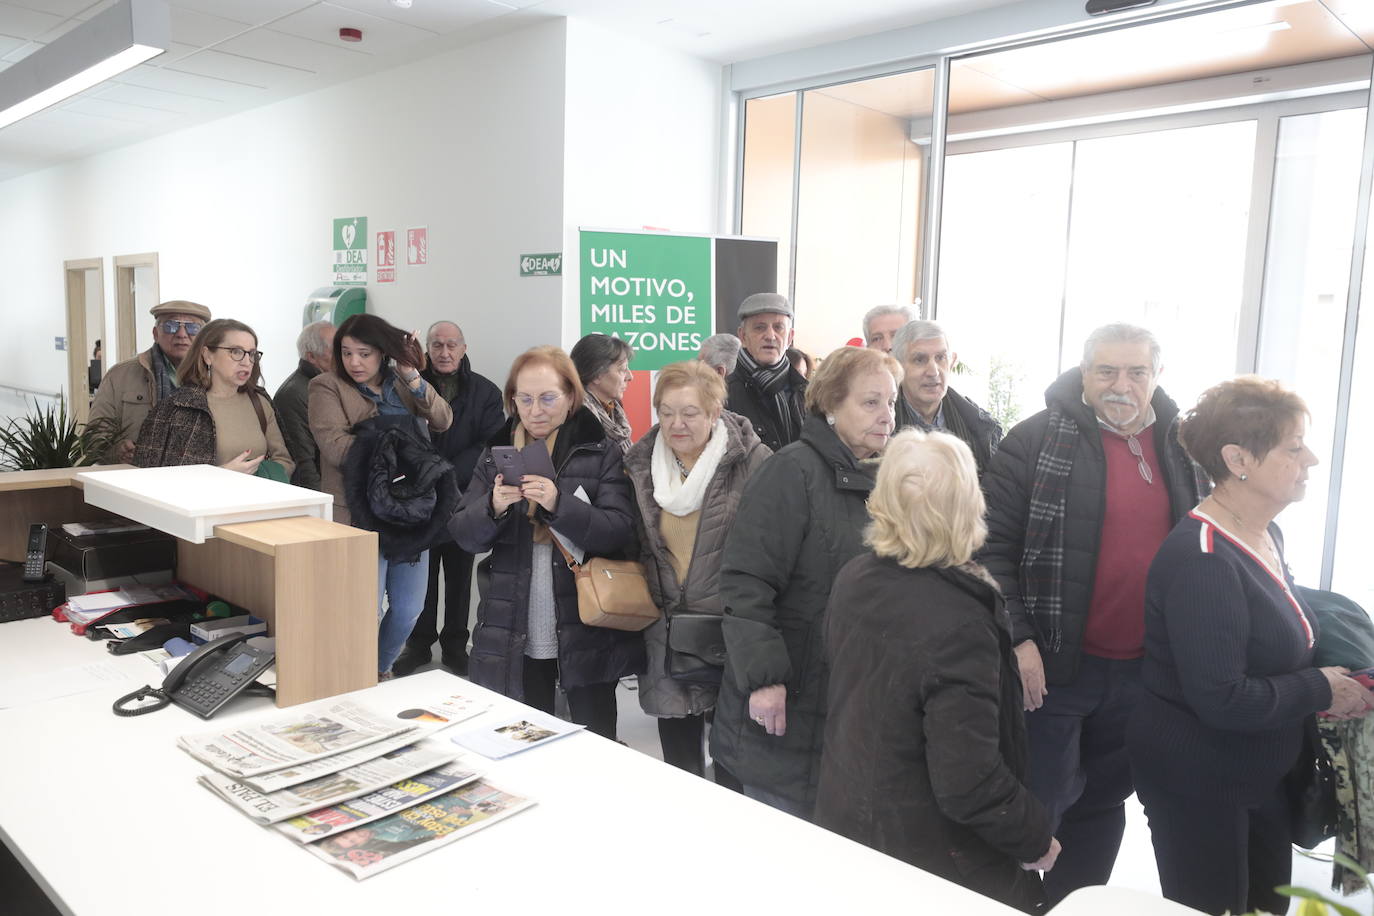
[{"x": 36, "y": 554}]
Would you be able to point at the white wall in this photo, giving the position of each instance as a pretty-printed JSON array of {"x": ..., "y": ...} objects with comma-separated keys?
[
  {"x": 468, "y": 142},
  {"x": 642, "y": 144}
]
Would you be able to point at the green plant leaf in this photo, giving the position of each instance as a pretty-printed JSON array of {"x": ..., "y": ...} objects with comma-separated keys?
[{"x": 1289, "y": 890}]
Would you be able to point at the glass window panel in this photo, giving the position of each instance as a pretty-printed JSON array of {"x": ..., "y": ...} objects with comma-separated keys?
[
  {"x": 1306, "y": 276},
  {"x": 1003, "y": 231},
  {"x": 859, "y": 206},
  {"x": 1157, "y": 239},
  {"x": 770, "y": 139}
]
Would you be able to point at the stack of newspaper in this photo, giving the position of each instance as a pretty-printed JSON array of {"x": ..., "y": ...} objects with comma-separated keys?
[{"x": 361, "y": 790}]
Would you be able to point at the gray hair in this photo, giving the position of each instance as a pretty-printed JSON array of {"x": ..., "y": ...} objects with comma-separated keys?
[
  {"x": 429, "y": 335},
  {"x": 310, "y": 341},
  {"x": 879, "y": 311},
  {"x": 720, "y": 351},
  {"x": 1120, "y": 332},
  {"x": 914, "y": 331}
]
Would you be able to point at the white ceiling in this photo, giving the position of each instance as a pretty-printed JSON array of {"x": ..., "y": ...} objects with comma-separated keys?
[{"x": 231, "y": 55}]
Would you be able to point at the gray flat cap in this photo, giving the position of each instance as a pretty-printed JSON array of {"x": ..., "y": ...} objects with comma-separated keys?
[{"x": 769, "y": 303}]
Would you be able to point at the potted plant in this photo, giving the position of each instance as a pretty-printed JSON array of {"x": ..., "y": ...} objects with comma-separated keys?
[{"x": 48, "y": 437}]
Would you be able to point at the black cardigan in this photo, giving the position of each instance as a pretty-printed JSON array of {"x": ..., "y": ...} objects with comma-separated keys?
[{"x": 1228, "y": 669}]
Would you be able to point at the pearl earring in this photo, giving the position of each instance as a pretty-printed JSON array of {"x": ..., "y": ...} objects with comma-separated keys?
[
  {"x": 829, "y": 418},
  {"x": 1244, "y": 477}
]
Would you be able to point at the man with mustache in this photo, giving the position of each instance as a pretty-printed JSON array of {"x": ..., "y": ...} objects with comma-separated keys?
[
  {"x": 928, "y": 403},
  {"x": 1080, "y": 496},
  {"x": 765, "y": 387}
]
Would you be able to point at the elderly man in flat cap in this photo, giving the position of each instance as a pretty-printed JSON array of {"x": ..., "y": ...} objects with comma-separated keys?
[
  {"x": 131, "y": 388},
  {"x": 765, "y": 387}
]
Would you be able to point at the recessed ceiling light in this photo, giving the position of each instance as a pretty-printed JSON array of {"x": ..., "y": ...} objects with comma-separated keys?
[{"x": 401, "y": 4}]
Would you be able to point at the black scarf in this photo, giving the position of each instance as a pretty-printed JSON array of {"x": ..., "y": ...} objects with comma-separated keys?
[
  {"x": 164, "y": 373},
  {"x": 773, "y": 380}
]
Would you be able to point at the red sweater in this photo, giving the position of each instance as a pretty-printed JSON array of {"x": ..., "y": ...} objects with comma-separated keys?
[{"x": 1135, "y": 523}]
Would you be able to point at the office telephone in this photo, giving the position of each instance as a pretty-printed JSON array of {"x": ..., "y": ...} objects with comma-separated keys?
[
  {"x": 206, "y": 679},
  {"x": 36, "y": 553}
]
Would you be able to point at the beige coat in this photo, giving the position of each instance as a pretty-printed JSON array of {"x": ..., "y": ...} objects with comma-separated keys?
[
  {"x": 336, "y": 405},
  {"x": 125, "y": 396}
]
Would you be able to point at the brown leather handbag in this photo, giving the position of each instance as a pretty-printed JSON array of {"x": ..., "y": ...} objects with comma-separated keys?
[{"x": 611, "y": 593}]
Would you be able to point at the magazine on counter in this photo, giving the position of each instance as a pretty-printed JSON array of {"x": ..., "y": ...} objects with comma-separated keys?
[
  {"x": 269, "y": 808},
  {"x": 389, "y": 841},
  {"x": 511, "y": 736},
  {"x": 320, "y": 731},
  {"x": 424, "y": 720},
  {"x": 405, "y": 793}
]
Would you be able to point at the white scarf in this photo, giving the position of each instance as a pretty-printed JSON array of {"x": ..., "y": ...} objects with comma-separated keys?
[{"x": 683, "y": 497}]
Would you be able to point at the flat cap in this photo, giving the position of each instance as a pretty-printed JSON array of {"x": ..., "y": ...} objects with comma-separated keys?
[
  {"x": 180, "y": 307},
  {"x": 761, "y": 303}
]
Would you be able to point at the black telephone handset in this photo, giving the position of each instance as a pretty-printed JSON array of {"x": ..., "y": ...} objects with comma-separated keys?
[
  {"x": 36, "y": 553},
  {"x": 206, "y": 679}
]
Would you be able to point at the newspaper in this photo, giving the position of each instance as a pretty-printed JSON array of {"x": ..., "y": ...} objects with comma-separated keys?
[
  {"x": 425, "y": 720},
  {"x": 511, "y": 736},
  {"x": 316, "y": 825},
  {"x": 328, "y": 790},
  {"x": 83, "y": 609},
  {"x": 405, "y": 835},
  {"x": 319, "y": 731}
]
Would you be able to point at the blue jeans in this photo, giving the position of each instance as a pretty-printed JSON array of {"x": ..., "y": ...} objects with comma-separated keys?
[{"x": 403, "y": 587}]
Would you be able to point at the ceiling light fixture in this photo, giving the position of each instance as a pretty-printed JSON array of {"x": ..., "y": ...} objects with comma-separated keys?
[
  {"x": 119, "y": 39},
  {"x": 401, "y": 4}
]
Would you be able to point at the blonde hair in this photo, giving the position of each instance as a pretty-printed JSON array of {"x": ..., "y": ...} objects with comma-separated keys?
[
  {"x": 926, "y": 508},
  {"x": 693, "y": 373},
  {"x": 829, "y": 384}
]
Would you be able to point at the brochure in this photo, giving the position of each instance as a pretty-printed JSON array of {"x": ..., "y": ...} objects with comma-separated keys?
[
  {"x": 405, "y": 835},
  {"x": 511, "y": 736},
  {"x": 335, "y": 787},
  {"x": 406, "y": 793},
  {"x": 425, "y": 720}
]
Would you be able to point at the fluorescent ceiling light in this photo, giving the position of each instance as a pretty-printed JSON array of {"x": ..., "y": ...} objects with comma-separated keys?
[{"x": 122, "y": 37}]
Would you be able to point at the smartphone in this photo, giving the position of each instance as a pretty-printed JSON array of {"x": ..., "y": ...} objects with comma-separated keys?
[{"x": 509, "y": 463}]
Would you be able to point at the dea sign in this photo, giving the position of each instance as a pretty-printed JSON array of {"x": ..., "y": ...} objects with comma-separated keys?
[{"x": 541, "y": 265}]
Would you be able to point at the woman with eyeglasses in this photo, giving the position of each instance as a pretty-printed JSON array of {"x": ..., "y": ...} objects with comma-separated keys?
[
  {"x": 529, "y": 638},
  {"x": 376, "y": 384},
  {"x": 219, "y": 414}
]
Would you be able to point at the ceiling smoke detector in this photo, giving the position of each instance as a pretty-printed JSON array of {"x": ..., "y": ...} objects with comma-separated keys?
[{"x": 350, "y": 34}]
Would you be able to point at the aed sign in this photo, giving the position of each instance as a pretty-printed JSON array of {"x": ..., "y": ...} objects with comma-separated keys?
[
  {"x": 350, "y": 251},
  {"x": 541, "y": 265},
  {"x": 651, "y": 290}
]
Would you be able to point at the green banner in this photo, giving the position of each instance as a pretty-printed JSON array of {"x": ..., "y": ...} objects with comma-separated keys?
[{"x": 651, "y": 290}]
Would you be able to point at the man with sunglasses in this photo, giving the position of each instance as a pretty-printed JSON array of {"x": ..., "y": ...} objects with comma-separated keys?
[
  {"x": 1080, "y": 496},
  {"x": 131, "y": 388}
]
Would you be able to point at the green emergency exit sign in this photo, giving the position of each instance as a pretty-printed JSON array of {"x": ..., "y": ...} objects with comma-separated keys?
[{"x": 542, "y": 265}]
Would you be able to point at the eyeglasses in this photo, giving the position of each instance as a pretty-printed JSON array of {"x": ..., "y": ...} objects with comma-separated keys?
[
  {"x": 171, "y": 326},
  {"x": 546, "y": 400},
  {"x": 238, "y": 353},
  {"x": 1146, "y": 474},
  {"x": 689, "y": 415}
]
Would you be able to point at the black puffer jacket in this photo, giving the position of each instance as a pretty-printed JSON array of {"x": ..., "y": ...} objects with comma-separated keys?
[
  {"x": 925, "y": 742},
  {"x": 800, "y": 520},
  {"x": 397, "y": 485},
  {"x": 1008, "y": 484},
  {"x": 477, "y": 416},
  {"x": 603, "y": 527}
]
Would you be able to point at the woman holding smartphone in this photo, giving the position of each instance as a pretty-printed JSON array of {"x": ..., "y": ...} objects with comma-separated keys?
[{"x": 529, "y": 638}]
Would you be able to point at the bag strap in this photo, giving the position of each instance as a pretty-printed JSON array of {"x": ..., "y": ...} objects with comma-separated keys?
[
  {"x": 257, "y": 408},
  {"x": 572, "y": 564}
]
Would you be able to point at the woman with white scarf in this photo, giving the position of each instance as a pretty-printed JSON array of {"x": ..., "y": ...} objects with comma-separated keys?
[{"x": 688, "y": 473}]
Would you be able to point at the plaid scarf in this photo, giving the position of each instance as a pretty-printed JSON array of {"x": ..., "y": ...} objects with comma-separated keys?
[
  {"x": 164, "y": 373},
  {"x": 772, "y": 380},
  {"x": 1042, "y": 557}
]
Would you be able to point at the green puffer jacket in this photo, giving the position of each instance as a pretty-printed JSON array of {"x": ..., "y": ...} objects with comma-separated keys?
[{"x": 801, "y": 519}]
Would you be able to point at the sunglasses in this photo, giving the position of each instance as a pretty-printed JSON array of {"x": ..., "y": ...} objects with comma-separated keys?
[{"x": 171, "y": 326}]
